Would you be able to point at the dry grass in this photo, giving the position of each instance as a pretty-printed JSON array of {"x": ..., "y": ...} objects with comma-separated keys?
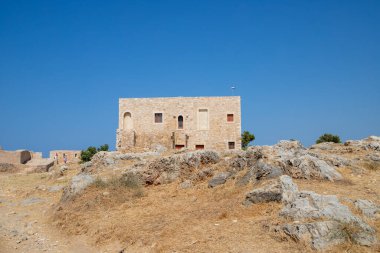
[
  {"x": 369, "y": 165},
  {"x": 167, "y": 219}
]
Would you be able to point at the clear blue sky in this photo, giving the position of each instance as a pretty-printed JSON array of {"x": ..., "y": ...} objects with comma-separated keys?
[{"x": 302, "y": 68}]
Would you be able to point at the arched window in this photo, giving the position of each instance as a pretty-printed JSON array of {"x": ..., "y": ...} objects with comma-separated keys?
[
  {"x": 180, "y": 122},
  {"x": 127, "y": 121}
]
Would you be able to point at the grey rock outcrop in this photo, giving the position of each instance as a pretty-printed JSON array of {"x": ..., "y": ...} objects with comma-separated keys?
[
  {"x": 374, "y": 157},
  {"x": 78, "y": 184},
  {"x": 186, "y": 184},
  {"x": 370, "y": 143},
  {"x": 31, "y": 201},
  {"x": 307, "y": 167},
  {"x": 167, "y": 169},
  {"x": 281, "y": 189},
  {"x": 219, "y": 179},
  {"x": 85, "y": 166},
  {"x": 202, "y": 174},
  {"x": 320, "y": 220},
  {"x": 368, "y": 208},
  {"x": 265, "y": 170},
  {"x": 319, "y": 235},
  {"x": 331, "y": 218},
  {"x": 55, "y": 188}
]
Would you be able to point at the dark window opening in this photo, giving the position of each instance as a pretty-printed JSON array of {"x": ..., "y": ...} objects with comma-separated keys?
[
  {"x": 231, "y": 145},
  {"x": 158, "y": 118},
  {"x": 230, "y": 118},
  {"x": 197, "y": 147},
  {"x": 180, "y": 122},
  {"x": 179, "y": 146}
]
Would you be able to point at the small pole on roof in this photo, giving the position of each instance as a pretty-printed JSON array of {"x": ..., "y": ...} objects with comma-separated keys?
[{"x": 233, "y": 87}]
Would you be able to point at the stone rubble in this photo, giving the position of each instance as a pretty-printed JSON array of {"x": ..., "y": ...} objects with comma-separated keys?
[{"x": 320, "y": 220}]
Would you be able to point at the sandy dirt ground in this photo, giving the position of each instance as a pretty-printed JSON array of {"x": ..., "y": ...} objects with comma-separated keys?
[{"x": 25, "y": 201}]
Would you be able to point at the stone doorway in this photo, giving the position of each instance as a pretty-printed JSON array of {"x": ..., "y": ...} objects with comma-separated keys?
[{"x": 127, "y": 121}]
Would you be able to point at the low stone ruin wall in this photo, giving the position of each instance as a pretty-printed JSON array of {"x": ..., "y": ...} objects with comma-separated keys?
[{"x": 15, "y": 157}]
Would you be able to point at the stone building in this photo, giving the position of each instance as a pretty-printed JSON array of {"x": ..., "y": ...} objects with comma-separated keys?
[
  {"x": 73, "y": 156},
  {"x": 179, "y": 122},
  {"x": 15, "y": 157}
]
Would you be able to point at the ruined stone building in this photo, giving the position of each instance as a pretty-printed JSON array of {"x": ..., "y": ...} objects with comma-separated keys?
[
  {"x": 179, "y": 122},
  {"x": 15, "y": 157},
  {"x": 72, "y": 155}
]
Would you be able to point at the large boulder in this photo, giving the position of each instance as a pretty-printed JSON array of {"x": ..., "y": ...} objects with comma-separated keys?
[
  {"x": 281, "y": 189},
  {"x": 330, "y": 218},
  {"x": 219, "y": 179},
  {"x": 318, "y": 220},
  {"x": 319, "y": 235},
  {"x": 78, "y": 184},
  {"x": 265, "y": 170},
  {"x": 167, "y": 169},
  {"x": 288, "y": 157},
  {"x": 307, "y": 167}
]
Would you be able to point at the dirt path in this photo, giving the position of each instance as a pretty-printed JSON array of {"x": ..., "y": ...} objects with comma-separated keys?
[{"x": 25, "y": 200}]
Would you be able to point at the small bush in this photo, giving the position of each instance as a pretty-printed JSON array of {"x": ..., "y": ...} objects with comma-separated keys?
[
  {"x": 128, "y": 181},
  {"x": 328, "y": 138},
  {"x": 103, "y": 147},
  {"x": 86, "y": 155},
  {"x": 246, "y": 138}
]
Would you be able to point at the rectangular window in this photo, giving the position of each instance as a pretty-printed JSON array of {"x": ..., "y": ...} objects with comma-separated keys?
[
  {"x": 158, "y": 118},
  {"x": 198, "y": 147},
  {"x": 230, "y": 117},
  {"x": 231, "y": 145},
  {"x": 202, "y": 119}
]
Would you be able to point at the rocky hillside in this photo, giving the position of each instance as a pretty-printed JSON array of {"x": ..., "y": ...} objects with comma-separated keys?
[{"x": 319, "y": 221}]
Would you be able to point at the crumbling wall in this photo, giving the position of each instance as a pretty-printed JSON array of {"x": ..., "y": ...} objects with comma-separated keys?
[
  {"x": 15, "y": 157},
  {"x": 72, "y": 155}
]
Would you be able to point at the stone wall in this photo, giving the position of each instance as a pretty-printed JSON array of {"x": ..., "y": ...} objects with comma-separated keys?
[
  {"x": 72, "y": 155},
  {"x": 204, "y": 123},
  {"x": 36, "y": 155},
  {"x": 15, "y": 157}
]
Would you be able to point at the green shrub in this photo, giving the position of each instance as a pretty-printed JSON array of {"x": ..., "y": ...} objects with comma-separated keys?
[
  {"x": 103, "y": 147},
  {"x": 86, "y": 155},
  {"x": 328, "y": 138},
  {"x": 246, "y": 138}
]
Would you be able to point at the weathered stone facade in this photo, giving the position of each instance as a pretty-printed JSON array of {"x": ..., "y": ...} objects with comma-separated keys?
[
  {"x": 15, "y": 157},
  {"x": 179, "y": 122},
  {"x": 72, "y": 155}
]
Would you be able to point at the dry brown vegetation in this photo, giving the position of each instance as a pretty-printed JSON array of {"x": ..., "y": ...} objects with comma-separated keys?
[{"x": 168, "y": 219}]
